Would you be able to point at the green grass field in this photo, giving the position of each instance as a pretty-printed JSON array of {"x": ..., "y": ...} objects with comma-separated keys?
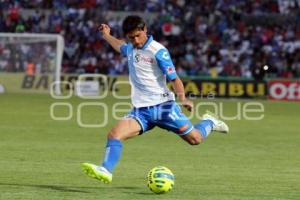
[{"x": 40, "y": 157}]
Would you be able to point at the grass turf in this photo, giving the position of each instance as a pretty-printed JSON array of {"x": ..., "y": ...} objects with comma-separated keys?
[{"x": 40, "y": 157}]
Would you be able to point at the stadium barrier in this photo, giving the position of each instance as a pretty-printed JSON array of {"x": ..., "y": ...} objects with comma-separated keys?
[
  {"x": 288, "y": 90},
  {"x": 194, "y": 86},
  {"x": 225, "y": 87}
]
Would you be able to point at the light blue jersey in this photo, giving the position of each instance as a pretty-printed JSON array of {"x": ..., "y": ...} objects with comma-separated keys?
[{"x": 149, "y": 68}]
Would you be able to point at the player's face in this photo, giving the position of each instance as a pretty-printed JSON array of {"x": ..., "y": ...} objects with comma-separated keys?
[{"x": 138, "y": 37}]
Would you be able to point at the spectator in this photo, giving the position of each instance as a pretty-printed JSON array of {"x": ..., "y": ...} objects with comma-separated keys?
[{"x": 219, "y": 38}]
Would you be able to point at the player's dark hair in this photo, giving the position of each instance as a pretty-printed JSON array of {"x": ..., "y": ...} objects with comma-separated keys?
[{"x": 133, "y": 22}]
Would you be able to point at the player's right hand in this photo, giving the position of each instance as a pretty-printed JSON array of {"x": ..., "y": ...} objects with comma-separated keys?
[
  {"x": 104, "y": 29},
  {"x": 188, "y": 104}
]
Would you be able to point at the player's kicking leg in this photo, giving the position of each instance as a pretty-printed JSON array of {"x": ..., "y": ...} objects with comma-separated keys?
[
  {"x": 218, "y": 125},
  {"x": 203, "y": 129},
  {"x": 173, "y": 119},
  {"x": 125, "y": 129}
]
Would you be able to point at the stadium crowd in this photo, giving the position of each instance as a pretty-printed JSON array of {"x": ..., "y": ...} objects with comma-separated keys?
[{"x": 205, "y": 37}]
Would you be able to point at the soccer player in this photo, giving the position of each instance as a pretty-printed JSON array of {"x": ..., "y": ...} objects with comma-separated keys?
[{"x": 150, "y": 65}]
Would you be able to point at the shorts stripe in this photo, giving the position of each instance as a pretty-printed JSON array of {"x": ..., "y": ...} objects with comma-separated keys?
[{"x": 187, "y": 131}]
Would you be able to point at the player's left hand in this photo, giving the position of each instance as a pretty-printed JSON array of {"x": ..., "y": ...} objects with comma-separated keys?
[{"x": 188, "y": 104}]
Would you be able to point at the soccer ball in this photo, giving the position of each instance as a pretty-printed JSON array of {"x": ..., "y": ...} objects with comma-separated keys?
[{"x": 160, "y": 180}]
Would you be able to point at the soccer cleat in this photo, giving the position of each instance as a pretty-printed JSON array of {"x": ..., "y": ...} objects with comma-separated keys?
[
  {"x": 97, "y": 172},
  {"x": 218, "y": 125}
]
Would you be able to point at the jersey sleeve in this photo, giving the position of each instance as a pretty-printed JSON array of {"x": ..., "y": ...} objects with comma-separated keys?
[
  {"x": 165, "y": 63},
  {"x": 123, "y": 49}
]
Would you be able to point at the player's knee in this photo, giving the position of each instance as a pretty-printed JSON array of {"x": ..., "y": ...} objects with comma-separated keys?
[
  {"x": 113, "y": 135},
  {"x": 194, "y": 138},
  {"x": 195, "y": 141}
]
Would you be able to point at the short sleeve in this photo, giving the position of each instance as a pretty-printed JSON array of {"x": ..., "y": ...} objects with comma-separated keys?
[
  {"x": 165, "y": 64},
  {"x": 123, "y": 49}
]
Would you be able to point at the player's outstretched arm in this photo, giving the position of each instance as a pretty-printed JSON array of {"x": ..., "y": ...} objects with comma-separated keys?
[
  {"x": 179, "y": 90},
  {"x": 114, "y": 42}
]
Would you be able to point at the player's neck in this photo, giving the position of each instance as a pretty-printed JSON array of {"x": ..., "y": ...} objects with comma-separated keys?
[{"x": 145, "y": 42}]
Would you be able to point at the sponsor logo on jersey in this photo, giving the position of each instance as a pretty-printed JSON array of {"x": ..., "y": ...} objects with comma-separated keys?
[
  {"x": 165, "y": 94},
  {"x": 137, "y": 58},
  {"x": 165, "y": 55},
  {"x": 170, "y": 70},
  {"x": 143, "y": 59}
]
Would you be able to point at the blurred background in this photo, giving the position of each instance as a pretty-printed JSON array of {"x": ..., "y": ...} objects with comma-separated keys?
[{"x": 206, "y": 37}]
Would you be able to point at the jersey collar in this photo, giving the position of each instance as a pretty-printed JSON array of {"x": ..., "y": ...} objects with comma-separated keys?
[{"x": 149, "y": 40}]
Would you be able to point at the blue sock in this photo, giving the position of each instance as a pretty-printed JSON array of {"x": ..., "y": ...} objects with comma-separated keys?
[
  {"x": 204, "y": 127},
  {"x": 112, "y": 154}
]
